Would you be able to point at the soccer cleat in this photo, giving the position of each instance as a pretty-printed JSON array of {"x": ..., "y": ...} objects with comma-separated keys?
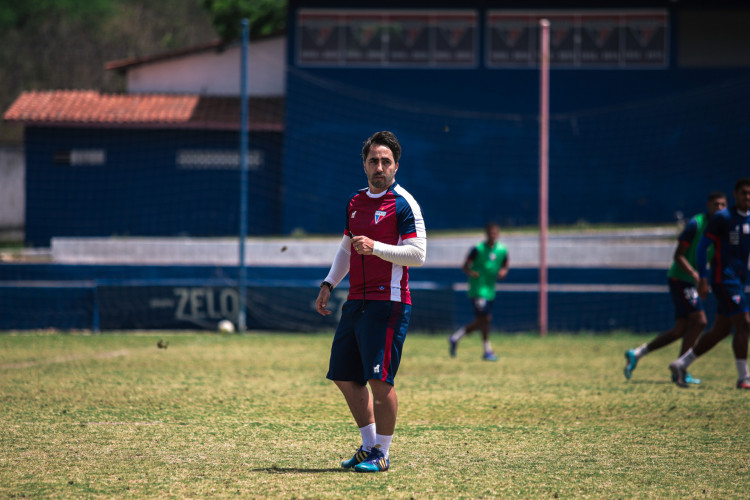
[
  {"x": 454, "y": 344},
  {"x": 489, "y": 356},
  {"x": 743, "y": 383},
  {"x": 375, "y": 462},
  {"x": 689, "y": 379},
  {"x": 630, "y": 365},
  {"x": 678, "y": 374},
  {"x": 357, "y": 458}
]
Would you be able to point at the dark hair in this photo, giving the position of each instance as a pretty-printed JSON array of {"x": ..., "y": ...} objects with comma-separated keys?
[
  {"x": 490, "y": 225},
  {"x": 715, "y": 195},
  {"x": 386, "y": 139},
  {"x": 742, "y": 183}
]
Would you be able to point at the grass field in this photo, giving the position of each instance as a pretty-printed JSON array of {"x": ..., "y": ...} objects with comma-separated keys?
[{"x": 113, "y": 416}]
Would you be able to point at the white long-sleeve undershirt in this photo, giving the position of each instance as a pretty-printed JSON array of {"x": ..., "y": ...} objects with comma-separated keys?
[{"x": 412, "y": 253}]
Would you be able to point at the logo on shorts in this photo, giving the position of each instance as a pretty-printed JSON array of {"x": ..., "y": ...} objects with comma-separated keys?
[
  {"x": 353, "y": 214},
  {"x": 379, "y": 214},
  {"x": 376, "y": 369}
]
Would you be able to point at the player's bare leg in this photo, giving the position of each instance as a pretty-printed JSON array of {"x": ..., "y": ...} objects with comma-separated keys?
[
  {"x": 464, "y": 330},
  {"x": 633, "y": 355},
  {"x": 489, "y": 354},
  {"x": 359, "y": 401},
  {"x": 696, "y": 323},
  {"x": 385, "y": 407},
  {"x": 360, "y": 404},
  {"x": 739, "y": 346},
  {"x": 719, "y": 331}
]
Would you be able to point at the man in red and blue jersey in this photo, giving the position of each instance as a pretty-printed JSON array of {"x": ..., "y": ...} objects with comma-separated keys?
[
  {"x": 384, "y": 234},
  {"x": 729, "y": 232},
  {"x": 682, "y": 277}
]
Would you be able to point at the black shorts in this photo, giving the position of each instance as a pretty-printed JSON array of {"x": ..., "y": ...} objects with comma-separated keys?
[{"x": 368, "y": 341}]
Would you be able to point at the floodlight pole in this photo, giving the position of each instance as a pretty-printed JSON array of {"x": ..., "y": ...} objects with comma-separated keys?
[
  {"x": 543, "y": 171},
  {"x": 241, "y": 315}
]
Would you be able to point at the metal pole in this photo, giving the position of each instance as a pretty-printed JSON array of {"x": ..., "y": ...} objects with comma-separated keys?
[
  {"x": 241, "y": 316},
  {"x": 543, "y": 172}
]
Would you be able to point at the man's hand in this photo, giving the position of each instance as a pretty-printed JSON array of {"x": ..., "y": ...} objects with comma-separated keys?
[
  {"x": 703, "y": 288},
  {"x": 363, "y": 245},
  {"x": 322, "y": 301}
]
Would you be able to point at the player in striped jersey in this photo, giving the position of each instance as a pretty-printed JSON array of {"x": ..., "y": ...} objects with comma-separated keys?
[
  {"x": 729, "y": 232},
  {"x": 690, "y": 315},
  {"x": 384, "y": 234}
]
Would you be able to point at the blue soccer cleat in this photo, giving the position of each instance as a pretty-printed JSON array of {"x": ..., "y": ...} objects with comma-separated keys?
[
  {"x": 357, "y": 458},
  {"x": 689, "y": 379},
  {"x": 375, "y": 462},
  {"x": 489, "y": 356},
  {"x": 631, "y": 362}
]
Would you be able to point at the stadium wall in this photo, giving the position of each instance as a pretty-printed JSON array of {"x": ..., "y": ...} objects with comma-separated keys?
[
  {"x": 96, "y": 181},
  {"x": 127, "y": 297},
  {"x": 629, "y": 143}
]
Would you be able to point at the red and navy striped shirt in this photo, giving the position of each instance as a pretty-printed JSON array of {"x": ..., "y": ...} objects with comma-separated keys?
[
  {"x": 729, "y": 231},
  {"x": 389, "y": 217}
]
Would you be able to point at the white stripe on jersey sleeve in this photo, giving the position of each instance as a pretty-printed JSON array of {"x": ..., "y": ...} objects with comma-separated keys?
[{"x": 418, "y": 219}]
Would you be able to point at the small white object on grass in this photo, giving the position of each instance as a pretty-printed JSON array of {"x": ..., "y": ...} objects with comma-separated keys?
[{"x": 226, "y": 326}]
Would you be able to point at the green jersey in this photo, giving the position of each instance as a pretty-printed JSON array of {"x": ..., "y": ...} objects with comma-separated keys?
[
  {"x": 691, "y": 235},
  {"x": 487, "y": 261}
]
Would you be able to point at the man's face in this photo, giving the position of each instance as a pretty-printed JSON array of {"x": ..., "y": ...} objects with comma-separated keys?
[
  {"x": 742, "y": 195},
  {"x": 716, "y": 205},
  {"x": 493, "y": 233},
  {"x": 380, "y": 168}
]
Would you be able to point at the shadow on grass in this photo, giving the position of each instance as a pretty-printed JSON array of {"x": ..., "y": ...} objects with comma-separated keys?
[
  {"x": 652, "y": 382},
  {"x": 297, "y": 470}
]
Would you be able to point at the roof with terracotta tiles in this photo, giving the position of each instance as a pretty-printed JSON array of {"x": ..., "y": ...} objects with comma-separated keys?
[{"x": 90, "y": 107}]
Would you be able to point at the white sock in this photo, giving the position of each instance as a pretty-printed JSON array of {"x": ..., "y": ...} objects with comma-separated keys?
[
  {"x": 368, "y": 436},
  {"x": 742, "y": 368},
  {"x": 687, "y": 358},
  {"x": 487, "y": 346},
  {"x": 640, "y": 351},
  {"x": 384, "y": 443},
  {"x": 458, "y": 334}
]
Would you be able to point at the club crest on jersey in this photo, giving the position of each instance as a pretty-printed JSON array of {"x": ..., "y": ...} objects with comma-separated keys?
[
  {"x": 379, "y": 214},
  {"x": 736, "y": 299}
]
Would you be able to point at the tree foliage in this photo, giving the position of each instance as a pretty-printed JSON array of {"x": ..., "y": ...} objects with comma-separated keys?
[
  {"x": 29, "y": 15},
  {"x": 266, "y": 16},
  {"x": 65, "y": 44}
]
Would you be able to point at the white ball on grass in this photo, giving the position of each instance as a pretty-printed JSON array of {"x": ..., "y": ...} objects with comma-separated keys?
[{"x": 226, "y": 326}]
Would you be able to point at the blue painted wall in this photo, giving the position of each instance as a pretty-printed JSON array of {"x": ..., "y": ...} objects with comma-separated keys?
[
  {"x": 626, "y": 146},
  {"x": 110, "y": 297},
  {"x": 139, "y": 190}
]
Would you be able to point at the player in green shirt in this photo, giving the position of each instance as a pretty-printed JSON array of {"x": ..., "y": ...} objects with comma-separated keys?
[
  {"x": 486, "y": 263},
  {"x": 690, "y": 315}
]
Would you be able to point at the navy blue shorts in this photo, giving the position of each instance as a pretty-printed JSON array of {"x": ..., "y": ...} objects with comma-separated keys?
[
  {"x": 368, "y": 341},
  {"x": 730, "y": 298},
  {"x": 685, "y": 298},
  {"x": 482, "y": 307}
]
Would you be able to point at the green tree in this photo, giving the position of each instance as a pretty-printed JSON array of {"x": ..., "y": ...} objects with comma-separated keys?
[
  {"x": 31, "y": 14},
  {"x": 266, "y": 16},
  {"x": 65, "y": 44}
]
